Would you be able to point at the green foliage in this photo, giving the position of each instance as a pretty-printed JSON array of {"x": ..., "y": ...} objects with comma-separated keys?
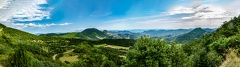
[
  {"x": 19, "y": 59},
  {"x": 210, "y": 49},
  {"x": 87, "y": 34},
  {"x": 37, "y": 51},
  {"x": 113, "y": 55},
  {"x": 108, "y": 64},
  {"x": 154, "y": 53},
  {"x": 177, "y": 56},
  {"x": 37, "y": 63},
  {"x": 90, "y": 56},
  {"x": 118, "y": 42}
]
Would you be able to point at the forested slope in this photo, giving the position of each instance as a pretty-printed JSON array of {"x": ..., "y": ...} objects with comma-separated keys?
[
  {"x": 211, "y": 50},
  {"x": 190, "y": 36},
  {"x": 38, "y": 51}
]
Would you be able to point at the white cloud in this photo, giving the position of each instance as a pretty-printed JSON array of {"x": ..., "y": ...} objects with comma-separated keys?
[
  {"x": 24, "y": 11},
  {"x": 181, "y": 10},
  {"x": 24, "y": 25},
  {"x": 202, "y": 13},
  {"x": 200, "y": 10},
  {"x": 3, "y": 3},
  {"x": 138, "y": 18},
  {"x": 63, "y": 24}
]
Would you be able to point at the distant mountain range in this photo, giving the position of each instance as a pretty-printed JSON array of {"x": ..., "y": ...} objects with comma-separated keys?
[{"x": 178, "y": 35}]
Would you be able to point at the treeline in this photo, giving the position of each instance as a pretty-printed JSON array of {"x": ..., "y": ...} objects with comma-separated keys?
[{"x": 118, "y": 42}]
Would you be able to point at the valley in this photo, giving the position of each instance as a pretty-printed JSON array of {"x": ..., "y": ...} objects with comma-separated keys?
[
  {"x": 119, "y": 33},
  {"x": 93, "y": 47}
]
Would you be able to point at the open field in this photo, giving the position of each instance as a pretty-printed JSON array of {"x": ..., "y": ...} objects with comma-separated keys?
[{"x": 69, "y": 58}]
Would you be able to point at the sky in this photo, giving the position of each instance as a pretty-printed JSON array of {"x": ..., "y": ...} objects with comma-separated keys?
[{"x": 52, "y": 16}]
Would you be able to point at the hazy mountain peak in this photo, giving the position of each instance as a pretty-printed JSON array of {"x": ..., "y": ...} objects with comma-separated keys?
[
  {"x": 90, "y": 30},
  {"x": 190, "y": 36},
  {"x": 197, "y": 30}
]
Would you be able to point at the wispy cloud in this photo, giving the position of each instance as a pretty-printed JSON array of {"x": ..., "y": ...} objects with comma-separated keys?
[
  {"x": 3, "y": 3},
  {"x": 24, "y": 11},
  {"x": 202, "y": 13},
  {"x": 161, "y": 15},
  {"x": 24, "y": 25}
]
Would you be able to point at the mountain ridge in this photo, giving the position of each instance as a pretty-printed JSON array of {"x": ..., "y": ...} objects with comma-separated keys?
[
  {"x": 88, "y": 34},
  {"x": 190, "y": 36},
  {"x": 95, "y": 34}
]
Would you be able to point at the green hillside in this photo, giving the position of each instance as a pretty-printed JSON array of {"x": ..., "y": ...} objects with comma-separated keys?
[
  {"x": 218, "y": 49},
  {"x": 190, "y": 36},
  {"x": 44, "y": 51},
  {"x": 14, "y": 36},
  {"x": 211, "y": 49},
  {"x": 88, "y": 34}
]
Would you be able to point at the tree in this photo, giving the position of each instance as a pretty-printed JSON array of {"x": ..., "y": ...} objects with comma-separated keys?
[
  {"x": 20, "y": 58},
  {"x": 148, "y": 52},
  {"x": 177, "y": 55},
  {"x": 90, "y": 56}
]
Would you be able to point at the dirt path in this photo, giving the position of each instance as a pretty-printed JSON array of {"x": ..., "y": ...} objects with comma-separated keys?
[
  {"x": 69, "y": 51},
  {"x": 54, "y": 56},
  {"x": 69, "y": 58},
  {"x": 1, "y": 29}
]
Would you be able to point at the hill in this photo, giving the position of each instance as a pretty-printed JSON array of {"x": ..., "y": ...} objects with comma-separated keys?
[
  {"x": 162, "y": 33},
  {"x": 190, "y": 36},
  {"x": 217, "y": 49},
  {"x": 88, "y": 34},
  {"x": 126, "y": 34},
  {"x": 213, "y": 48},
  {"x": 14, "y": 36},
  {"x": 42, "y": 51}
]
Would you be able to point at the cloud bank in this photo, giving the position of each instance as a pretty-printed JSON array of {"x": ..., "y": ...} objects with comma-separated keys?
[{"x": 23, "y": 11}]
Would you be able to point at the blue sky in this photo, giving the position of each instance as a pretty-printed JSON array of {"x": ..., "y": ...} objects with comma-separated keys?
[{"x": 45, "y": 16}]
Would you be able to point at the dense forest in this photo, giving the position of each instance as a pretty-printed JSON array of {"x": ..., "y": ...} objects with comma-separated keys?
[{"x": 220, "y": 48}]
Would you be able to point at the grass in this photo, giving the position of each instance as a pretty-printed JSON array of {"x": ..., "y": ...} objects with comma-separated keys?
[
  {"x": 72, "y": 57},
  {"x": 101, "y": 45},
  {"x": 232, "y": 60},
  {"x": 112, "y": 46},
  {"x": 69, "y": 58},
  {"x": 117, "y": 47},
  {"x": 70, "y": 35}
]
